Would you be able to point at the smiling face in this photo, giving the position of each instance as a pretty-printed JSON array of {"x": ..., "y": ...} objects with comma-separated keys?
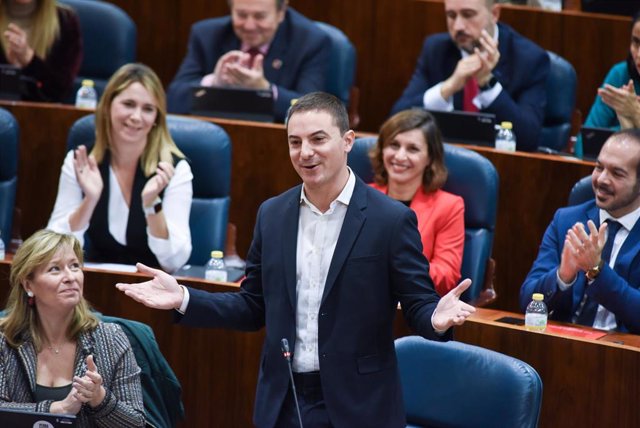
[
  {"x": 615, "y": 177},
  {"x": 255, "y": 22},
  {"x": 467, "y": 18},
  {"x": 133, "y": 113},
  {"x": 318, "y": 152},
  {"x": 405, "y": 158},
  {"x": 57, "y": 284}
]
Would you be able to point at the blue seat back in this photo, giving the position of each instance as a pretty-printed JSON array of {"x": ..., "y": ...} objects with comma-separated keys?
[
  {"x": 341, "y": 67},
  {"x": 453, "y": 384},
  {"x": 581, "y": 192},
  {"x": 109, "y": 38},
  {"x": 9, "y": 153},
  {"x": 208, "y": 149},
  {"x": 561, "y": 101},
  {"x": 472, "y": 177}
]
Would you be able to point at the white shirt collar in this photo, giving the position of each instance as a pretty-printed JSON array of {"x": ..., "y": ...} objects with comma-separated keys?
[
  {"x": 344, "y": 197},
  {"x": 627, "y": 221}
]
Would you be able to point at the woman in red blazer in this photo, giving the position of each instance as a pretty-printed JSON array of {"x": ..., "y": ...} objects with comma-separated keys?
[{"x": 409, "y": 166}]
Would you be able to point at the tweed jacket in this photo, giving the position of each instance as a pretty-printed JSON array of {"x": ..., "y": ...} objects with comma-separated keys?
[{"x": 116, "y": 364}]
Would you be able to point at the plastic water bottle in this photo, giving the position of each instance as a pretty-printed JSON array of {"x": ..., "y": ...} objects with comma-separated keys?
[
  {"x": 87, "y": 97},
  {"x": 215, "y": 271},
  {"x": 1, "y": 247},
  {"x": 505, "y": 139},
  {"x": 535, "y": 318}
]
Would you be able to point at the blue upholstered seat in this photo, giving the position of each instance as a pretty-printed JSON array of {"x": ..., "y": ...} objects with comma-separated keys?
[
  {"x": 341, "y": 67},
  {"x": 9, "y": 153},
  {"x": 208, "y": 149},
  {"x": 561, "y": 101},
  {"x": 109, "y": 41},
  {"x": 475, "y": 179},
  {"x": 456, "y": 385},
  {"x": 581, "y": 192}
]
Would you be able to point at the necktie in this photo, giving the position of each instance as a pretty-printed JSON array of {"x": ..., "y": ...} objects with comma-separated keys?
[
  {"x": 590, "y": 307},
  {"x": 471, "y": 90},
  {"x": 253, "y": 52}
]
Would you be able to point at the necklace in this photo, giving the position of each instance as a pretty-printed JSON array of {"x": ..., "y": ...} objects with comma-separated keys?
[{"x": 55, "y": 349}]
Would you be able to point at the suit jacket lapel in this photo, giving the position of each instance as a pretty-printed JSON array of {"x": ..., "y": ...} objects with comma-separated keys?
[
  {"x": 353, "y": 222},
  {"x": 274, "y": 62},
  {"x": 628, "y": 252},
  {"x": 27, "y": 353},
  {"x": 290, "y": 244}
]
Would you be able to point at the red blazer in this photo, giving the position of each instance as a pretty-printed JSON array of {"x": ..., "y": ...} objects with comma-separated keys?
[{"x": 441, "y": 225}]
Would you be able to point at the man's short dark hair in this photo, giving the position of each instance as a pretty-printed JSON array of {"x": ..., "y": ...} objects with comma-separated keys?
[
  {"x": 321, "y": 101},
  {"x": 632, "y": 134},
  {"x": 279, "y": 3}
]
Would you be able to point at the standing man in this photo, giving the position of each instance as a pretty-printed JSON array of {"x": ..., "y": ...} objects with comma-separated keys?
[
  {"x": 588, "y": 267},
  {"x": 482, "y": 65},
  {"x": 329, "y": 262},
  {"x": 263, "y": 44}
]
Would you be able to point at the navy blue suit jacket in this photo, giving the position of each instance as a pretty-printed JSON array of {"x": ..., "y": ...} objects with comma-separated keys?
[
  {"x": 522, "y": 71},
  {"x": 616, "y": 289},
  {"x": 296, "y": 62},
  {"x": 377, "y": 263}
]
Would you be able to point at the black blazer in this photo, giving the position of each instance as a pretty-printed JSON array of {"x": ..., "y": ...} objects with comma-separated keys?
[{"x": 377, "y": 263}]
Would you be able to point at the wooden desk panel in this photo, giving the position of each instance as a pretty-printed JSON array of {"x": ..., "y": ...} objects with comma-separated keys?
[
  {"x": 532, "y": 186},
  {"x": 586, "y": 382}
]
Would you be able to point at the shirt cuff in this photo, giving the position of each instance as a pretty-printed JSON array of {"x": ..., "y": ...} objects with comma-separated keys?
[
  {"x": 564, "y": 285},
  {"x": 185, "y": 300},
  {"x": 208, "y": 80},
  {"x": 485, "y": 98},
  {"x": 433, "y": 100}
]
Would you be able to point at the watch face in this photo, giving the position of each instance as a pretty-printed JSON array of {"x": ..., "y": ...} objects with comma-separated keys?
[{"x": 157, "y": 208}]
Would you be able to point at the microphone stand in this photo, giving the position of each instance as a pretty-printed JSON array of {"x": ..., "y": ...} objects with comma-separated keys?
[{"x": 284, "y": 346}]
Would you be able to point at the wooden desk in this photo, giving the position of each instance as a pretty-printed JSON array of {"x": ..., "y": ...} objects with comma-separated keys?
[
  {"x": 586, "y": 382},
  {"x": 532, "y": 186}
]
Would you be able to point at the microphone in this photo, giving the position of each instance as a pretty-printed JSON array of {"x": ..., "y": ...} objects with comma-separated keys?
[{"x": 286, "y": 353}]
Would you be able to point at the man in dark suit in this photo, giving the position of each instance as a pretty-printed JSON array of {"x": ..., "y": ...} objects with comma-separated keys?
[
  {"x": 261, "y": 45},
  {"x": 329, "y": 262},
  {"x": 588, "y": 267},
  {"x": 481, "y": 65}
]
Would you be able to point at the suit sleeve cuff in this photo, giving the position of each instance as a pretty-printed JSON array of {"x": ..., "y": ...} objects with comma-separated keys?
[
  {"x": 563, "y": 286},
  {"x": 433, "y": 100}
]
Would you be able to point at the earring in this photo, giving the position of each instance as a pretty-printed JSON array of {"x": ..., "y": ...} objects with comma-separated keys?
[{"x": 31, "y": 300}]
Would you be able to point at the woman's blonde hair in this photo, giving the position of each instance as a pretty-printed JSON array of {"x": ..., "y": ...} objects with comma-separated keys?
[
  {"x": 435, "y": 174},
  {"x": 45, "y": 27},
  {"x": 160, "y": 146},
  {"x": 21, "y": 320}
]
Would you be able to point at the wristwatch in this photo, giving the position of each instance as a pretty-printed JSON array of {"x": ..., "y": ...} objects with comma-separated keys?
[
  {"x": 490, "y": 84},
  {"x": 593, "y": 273},
  {"x": 154, "y": 208}
]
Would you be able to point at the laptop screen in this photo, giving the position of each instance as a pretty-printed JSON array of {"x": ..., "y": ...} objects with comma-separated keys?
[
  {"x": 592, "y": 141},
  {"x": 233, "y": 103},
  {"x": 462, "y": 127},
  {"x": 23, "y": 418}
]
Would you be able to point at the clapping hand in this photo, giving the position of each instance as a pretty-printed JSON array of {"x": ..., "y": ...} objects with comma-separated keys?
[
  {"x": 157, "y": 183},
  {"x": 87, "y": 173},
  {"x": 19, "y": 53},
  {"x": 451, "y": 310},
  {"x": 89, "y": 387}
]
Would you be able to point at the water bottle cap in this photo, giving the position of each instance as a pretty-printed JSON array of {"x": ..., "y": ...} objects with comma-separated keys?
[
  {"x": 217, "y": 254},
  {"x": 507, "y": 125},
  {"x": 538, "y": 297},
  {"x": 87, "y": 82}
]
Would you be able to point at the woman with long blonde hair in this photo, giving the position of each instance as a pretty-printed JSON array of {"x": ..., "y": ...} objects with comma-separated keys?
[
  {"x": 43, "y": 39},
  {"x": 56, "y": 356},
  {"x": 131, "y": 196}
]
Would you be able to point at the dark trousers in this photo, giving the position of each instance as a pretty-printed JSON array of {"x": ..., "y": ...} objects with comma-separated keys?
[{"x": 311, "y": 401}]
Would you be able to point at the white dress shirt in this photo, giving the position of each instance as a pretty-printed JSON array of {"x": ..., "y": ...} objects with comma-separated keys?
[
  {"x": 171, "y": 253},
  {"x": 433, "y": 100},
  {"x": 317, "y": 237}
]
